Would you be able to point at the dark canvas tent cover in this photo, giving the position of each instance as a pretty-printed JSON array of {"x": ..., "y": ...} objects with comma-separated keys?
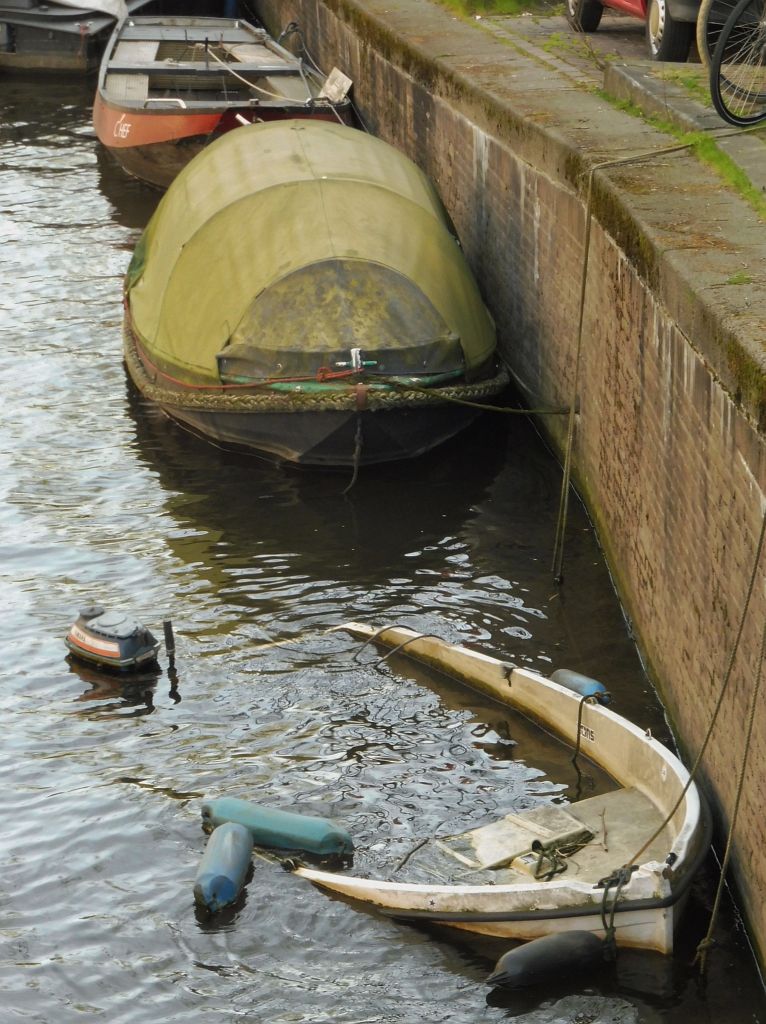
[{"x": 282, "y": 246}]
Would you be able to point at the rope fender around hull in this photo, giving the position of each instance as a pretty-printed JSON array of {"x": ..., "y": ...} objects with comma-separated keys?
[
  {"x": 247, "y": 402},
  {"x": 355, "y": 426}
]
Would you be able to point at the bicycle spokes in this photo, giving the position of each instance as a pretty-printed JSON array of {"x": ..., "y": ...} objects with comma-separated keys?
[{"x": 738, "y": 68}]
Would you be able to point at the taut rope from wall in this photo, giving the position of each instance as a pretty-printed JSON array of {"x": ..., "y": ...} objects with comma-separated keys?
[
  {"x": 558, "y": 546},
  {"x": 706, "y": 943}
]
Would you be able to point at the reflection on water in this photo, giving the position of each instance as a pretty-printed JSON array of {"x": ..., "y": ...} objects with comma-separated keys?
[
  {"x": 113, "y": 694},
  {"x": 103, "y": 499}
]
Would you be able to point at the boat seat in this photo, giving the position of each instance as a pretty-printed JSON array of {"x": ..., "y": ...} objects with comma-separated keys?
[
  {"x": 131, "y": 87},
  {"x": 184, "y": 33},
  {"x": 510, "y": 838},
  {"x": 621, "y": 820},
  {"x": 195, "y": 68},
  {"x": 253, "y": 54},
  {"x": 593, "y": 835}
]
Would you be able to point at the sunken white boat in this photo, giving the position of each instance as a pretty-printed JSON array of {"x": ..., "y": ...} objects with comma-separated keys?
[{"x": 618, "y": 865}]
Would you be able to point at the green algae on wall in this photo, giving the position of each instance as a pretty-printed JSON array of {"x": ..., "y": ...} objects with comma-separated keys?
[{"x": 608, "y": 207}]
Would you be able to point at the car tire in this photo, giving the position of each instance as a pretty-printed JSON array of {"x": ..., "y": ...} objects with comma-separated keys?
[
  {"x": 584, "y": 15},
  {"x": 667, "y": 38}
]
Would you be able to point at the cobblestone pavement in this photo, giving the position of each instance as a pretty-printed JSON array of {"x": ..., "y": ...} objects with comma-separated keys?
[{"x": 619, "y": 37}]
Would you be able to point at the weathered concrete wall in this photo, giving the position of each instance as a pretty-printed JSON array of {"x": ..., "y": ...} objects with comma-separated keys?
[{"x": 671, "y": 391}]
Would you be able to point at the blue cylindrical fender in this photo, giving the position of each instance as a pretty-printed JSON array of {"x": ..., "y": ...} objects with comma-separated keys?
[
  {"x": 584, "y": 685},
  {"x": 544, "y": 960},
  {"x": 223, "y": 868},
  {"x": 280, "y": 830}
]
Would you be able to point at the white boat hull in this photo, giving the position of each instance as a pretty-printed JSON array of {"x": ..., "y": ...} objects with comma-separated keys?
[
  {"x": 643, "y": 928},
  {"x": 643, "y": 907}
]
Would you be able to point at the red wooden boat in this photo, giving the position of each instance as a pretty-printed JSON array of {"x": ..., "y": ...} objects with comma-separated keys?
[{"x": 169, "y": 86}]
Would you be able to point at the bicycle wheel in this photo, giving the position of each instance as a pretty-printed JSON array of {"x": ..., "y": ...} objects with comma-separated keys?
[
  {"x": 711, "y": 19},
  {"x": 738, "y": 69}
]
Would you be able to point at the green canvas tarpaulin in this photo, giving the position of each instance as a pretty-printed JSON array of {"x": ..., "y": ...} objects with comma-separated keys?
[{"x": 282, "y": 245}]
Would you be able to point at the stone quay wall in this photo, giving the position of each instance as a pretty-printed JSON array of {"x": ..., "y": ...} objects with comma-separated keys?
[{"x": 669, "y": 448}]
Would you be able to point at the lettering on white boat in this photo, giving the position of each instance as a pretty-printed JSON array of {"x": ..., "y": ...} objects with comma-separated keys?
[
  {"x": 587, "y": 733},
  {"x": 122, "y": 128}
]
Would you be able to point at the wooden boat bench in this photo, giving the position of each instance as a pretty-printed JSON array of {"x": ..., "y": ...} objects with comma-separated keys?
[
  {"x": 128, "y": 85},
  {"x": 200, "y": 68},
  {"x": 589, "y": 838}
]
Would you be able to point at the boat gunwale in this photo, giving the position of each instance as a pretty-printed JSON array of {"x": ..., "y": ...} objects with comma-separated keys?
[
  {"x": 259, "y": 35},
  {"x": 259, "y": 398},
  {"x": 206, "y": 108},
  {"x": 688, "y": 850}
]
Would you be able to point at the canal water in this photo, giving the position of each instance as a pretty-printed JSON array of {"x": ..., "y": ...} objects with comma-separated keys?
[{"x": 101, "y": 499}]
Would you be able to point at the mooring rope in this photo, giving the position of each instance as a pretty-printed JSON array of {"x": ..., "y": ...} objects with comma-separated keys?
[
  {"x": 259, "y": 398},
  {"x": 258, "y": 88},
  {"x": 616, "y": 881},
  {"x": 704, "y": 947},
  {"x": 622, "y": 875},
  {"x": 357, "y": 453},
  {"x": 405, "y": 643},
  {"x": 587, "y": 699},
  {"x": 310, "y": 99},
  {"x": 508, "y": 410},
  {"x": 558, "y": 545},
  {"x": 293, "y": 28},
  {"x": 719, "y": 703}
]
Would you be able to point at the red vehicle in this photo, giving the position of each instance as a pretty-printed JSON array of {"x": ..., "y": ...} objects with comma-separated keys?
[{"x": 669, "y": 24}]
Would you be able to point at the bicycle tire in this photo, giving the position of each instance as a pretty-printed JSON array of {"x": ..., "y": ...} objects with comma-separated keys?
[
  {"x": 712, "y": 16},
  {"x": 738, "y": 68}
]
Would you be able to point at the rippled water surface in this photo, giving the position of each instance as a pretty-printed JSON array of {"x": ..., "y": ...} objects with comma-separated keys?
[{"x": 102, "y": 780}]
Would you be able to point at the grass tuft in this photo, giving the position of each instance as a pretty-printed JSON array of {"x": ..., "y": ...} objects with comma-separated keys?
[
  {"x": 741, "y": 277},
  {"x": 707, "y": 151},
  {"x": 506, "y": 8}
]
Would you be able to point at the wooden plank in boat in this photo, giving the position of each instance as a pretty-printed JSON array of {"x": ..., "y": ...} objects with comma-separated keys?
[
  {"x": 135, "y": 52},
  {"x": 497, "y": 844},
  {"x": 130, "y": 87},
  {"x": 252, "y": 54},
  {"x": 197, "y": 68},
  {"x": 621, "y": 822},
  {"x": 179, "y": 34}
]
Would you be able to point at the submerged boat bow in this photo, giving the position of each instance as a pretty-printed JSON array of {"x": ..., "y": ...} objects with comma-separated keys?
[{"x": 635, "y": 850}]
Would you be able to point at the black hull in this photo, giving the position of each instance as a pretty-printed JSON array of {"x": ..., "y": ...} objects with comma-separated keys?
[
  {"x": 159, "y": 163},
  {"x": 331, "y": 440}
]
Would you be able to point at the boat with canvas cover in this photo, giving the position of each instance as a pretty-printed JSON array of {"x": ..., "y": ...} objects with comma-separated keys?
[
  {"x": 169, "y": 86},
  {"x": 618, "y": 864},
  {"x": 299, "y": 292}
]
